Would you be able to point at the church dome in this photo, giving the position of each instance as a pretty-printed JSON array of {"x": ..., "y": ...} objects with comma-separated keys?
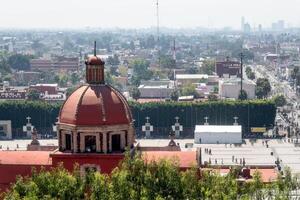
[
  {"x": 95, "y": 118},
  {"x": 95, "y": 105}
]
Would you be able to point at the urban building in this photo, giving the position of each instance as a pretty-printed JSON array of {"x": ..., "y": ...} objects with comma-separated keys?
[
  {"x": 156, "y": 89},
  {"x": 57, "y": 63},
  {"x": 230, "y": 88},
  {"x": 183, "y": 79},
  {"x": 216, "y": 134},
  {"x": 228, "y": 68}
]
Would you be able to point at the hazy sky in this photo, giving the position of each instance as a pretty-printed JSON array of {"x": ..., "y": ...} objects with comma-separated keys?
[{"x": 142, "y": 13}]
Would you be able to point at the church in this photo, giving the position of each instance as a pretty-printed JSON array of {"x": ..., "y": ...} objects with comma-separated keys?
[{"x": 94, "y": 129}]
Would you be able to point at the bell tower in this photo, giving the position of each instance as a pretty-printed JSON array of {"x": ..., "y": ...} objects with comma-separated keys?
[{"x": 94, "y": 69}]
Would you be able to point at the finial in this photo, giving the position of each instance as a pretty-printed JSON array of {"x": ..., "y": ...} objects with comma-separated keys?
[{"x": 95, "y": 47}]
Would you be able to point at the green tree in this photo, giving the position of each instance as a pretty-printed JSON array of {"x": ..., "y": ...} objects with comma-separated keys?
[
  {"x": 208, "y": 67},
  {"x": 166, "y": 61},
  {"x": 113, "y": 60},
  {"x": 4, "y": 65},
  {"x": 135, "y": 93},
  {"x": 212, "y": 97},
  {"x": 279, "y": 100},
  {"x": 33, "y": 95},
  {"x": 243, "y": 95},
  {"x": 189, "y": 90},
  {"x": 75, "y": 78},
  {"x": 19, "y": 62},
  {"x": 174, "y": 95},
  {"x": 191, "y": 70},
  {"x": 141, "y": 69},
  {"x": 250, "y": 74},
  {"x": 263, "y": 88}
]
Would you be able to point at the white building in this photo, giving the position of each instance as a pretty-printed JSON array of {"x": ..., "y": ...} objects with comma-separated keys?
[
  {"x": 214, "y": 134},
  {"x": 230, "y": 88},
  {"x": 183, "y": 79},
  {"x": 156, "y": 89}
]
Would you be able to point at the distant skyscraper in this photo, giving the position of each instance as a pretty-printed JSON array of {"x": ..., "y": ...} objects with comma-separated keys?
[
  {"x": 278, "y": 26},
  {"x": 260, "y": 28},
  {"x": 243, "y": 23},
  {"x": 247, "y": 28}
]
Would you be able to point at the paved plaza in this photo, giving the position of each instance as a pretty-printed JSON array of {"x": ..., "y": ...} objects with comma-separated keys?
[{"x": 257, "y": 153}]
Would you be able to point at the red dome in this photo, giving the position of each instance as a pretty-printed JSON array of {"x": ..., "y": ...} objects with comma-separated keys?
[
  {"x": 94, "y": 60},
  {"x": 94, "y": 105}
]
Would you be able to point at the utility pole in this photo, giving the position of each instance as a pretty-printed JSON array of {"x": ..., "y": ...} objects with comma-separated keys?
[
  {"x": 157, "y": 31},
  {"x": 242, "y": 56}
]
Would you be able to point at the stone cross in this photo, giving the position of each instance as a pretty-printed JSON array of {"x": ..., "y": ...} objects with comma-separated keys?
[
  {"x": 147, "y": 128},
  {"x": 28, "y": 128},
  {"x": 206, "y": 121},
  {"x": 235, "y": 121},
  {"x": 177, "y": 127}
]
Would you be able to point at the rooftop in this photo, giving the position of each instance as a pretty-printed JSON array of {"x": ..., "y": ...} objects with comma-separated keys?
[
  {"x": 25, "y": 158},
  {"x": 218, "y": 129},
  {"x": 186, "y": 159},
  {"x": 191, "y": 76}
]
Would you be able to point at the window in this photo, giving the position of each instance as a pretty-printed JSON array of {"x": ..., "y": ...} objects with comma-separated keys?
[
  {"x": 68, "y": 141},
  {"x": 90, "y": 143},
  {"x": 116, "y": 142}
]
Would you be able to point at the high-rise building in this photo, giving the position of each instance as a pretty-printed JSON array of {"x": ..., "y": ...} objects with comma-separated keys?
[{"x": 242, "y": 23}]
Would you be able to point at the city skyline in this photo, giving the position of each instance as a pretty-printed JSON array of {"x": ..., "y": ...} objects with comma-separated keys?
[{"x": 142, "y": 14}]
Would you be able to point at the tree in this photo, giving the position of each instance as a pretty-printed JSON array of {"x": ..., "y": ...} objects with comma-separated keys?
[
  {"x": 279, "y": 100},
  {"x": 4, "y": 65},
  {"x": 208, "y": 67},
  {"x": 263, "y": 88},
  {"x": 243, "y": 95},
  {"x": 19, "y": 62},
  {"x": 250, "y": 74},
  {"x": 166, "y": 61},
  {"x": 140, "y": 69},
  {"x": 74, "y": 78},
  {"x": 212, "y": 97},
  {"x": 135, "y": 93},
  {"x": 33, "y": 94},
  {"x": 189, "y": 90},
  {"x": 191, "y": 70},
  {"x": 138, "y": 177},
  {"x": 174, "y": 95},
  {"x": 113, "y": 60}
]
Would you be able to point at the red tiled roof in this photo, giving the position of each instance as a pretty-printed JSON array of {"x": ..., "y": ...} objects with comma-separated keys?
[
  {"x": 95, "y": 105},
  {"x": 267, "y": 175},
  {"x": 186, "y": 159},
  {"x": 25, "y": 158}
]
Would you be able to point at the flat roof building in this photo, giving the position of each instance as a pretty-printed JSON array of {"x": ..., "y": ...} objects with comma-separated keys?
[{"x": 215, "y": 134}]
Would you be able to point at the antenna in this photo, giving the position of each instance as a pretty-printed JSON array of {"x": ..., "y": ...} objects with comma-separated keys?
[
  {"x": 242, "y": 56},
  {"x": 157, "y": 21},
  {"x": 95, "y": 47},
  {"x": 157, "y": 30},
  {"x": 174, "y": 50}
]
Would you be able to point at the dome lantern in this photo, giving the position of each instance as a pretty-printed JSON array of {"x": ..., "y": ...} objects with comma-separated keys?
[{"x": 94, "y": 69}]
